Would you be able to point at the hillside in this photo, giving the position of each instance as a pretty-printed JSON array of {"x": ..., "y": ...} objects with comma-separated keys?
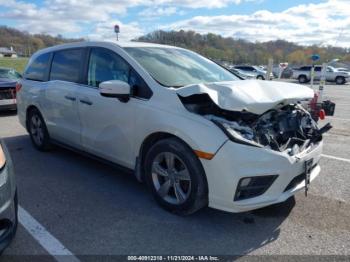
[
  {"x": 26, "y": 44},
  {"x": 240, "y": 51},
  {"x": 210, "y": 45}
]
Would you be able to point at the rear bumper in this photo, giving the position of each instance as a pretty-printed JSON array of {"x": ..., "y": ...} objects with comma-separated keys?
[{"x": 8, "y": 104}]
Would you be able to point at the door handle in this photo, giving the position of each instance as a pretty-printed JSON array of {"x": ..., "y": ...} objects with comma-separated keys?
[
  {"x": 86, "y": 102},
  {"x": 71, "y": 98}
]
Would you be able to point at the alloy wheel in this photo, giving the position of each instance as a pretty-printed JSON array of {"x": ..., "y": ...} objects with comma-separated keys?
[
  {"x": 36, "y": 129},
  {"x": 171, "y": 178}
]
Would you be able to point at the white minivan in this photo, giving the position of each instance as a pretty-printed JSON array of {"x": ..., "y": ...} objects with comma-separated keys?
[{"x": 194, "y": 132}]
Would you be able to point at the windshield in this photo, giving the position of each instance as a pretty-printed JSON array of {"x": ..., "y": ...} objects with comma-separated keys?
[
  {"x": 9, "y": 73},
  {"x": 173, "y": 67}
]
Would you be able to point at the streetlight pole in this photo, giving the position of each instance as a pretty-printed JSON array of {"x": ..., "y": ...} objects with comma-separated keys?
[{"x": 117, "y": 31}]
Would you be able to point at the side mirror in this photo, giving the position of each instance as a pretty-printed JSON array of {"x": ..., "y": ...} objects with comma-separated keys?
[{"x": 117, "y": 89}]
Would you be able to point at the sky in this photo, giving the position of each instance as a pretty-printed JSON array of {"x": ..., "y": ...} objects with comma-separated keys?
[{"x": 322, "y": 22}]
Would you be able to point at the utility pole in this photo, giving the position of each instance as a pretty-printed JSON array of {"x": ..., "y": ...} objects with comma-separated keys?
[{"x": 269, "y": 69}]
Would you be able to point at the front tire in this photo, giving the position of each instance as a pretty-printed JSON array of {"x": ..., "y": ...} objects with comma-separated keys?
[
  {"x": 38, "y": 131},
  {"x": 176, "y": 177},
  {"x": 260, "y": 77}
]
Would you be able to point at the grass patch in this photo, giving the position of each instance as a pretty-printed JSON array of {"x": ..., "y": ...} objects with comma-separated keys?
[{"x": 17, "y": 63}]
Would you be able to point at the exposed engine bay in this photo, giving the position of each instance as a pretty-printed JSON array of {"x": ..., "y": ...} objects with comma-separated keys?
[{"x": 286, "y": 128}]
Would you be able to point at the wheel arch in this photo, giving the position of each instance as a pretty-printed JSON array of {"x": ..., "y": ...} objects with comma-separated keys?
[{"x": 147, "y": 143}]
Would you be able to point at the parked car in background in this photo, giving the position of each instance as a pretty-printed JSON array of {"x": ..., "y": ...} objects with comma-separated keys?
[
  {"x": 342, "y": 69},
  {"x": 242, "y": 74},
  {"x": 286, "y": 72},
  {"x": 256, "y": 71},
  {"x": 193, "y": 131},
  {"x": 8, "y": 80},
  {"x": 303, "y": 74},
  {"x": 8, "y": 199}
]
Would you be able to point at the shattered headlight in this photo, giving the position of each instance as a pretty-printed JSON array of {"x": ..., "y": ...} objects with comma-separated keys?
[{"x": 237, "y": 133}]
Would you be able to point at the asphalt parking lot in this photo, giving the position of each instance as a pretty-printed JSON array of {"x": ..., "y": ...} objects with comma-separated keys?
[{"x": 90, "y": 208}]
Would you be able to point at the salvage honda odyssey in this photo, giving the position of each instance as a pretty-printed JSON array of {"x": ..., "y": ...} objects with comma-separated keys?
[{"x": 195, "y": 133}]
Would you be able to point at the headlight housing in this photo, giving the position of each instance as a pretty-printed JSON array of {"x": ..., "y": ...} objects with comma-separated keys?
[
  {"x": 2, "y": 158},
  {"x": 237, "y": 133}
]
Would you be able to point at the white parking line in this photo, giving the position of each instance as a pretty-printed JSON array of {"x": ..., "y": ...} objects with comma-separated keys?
[
  {"x": 342, "y": 119},
  {"x": 336, "y": 158},
  {"x": 53, "y": 246}
]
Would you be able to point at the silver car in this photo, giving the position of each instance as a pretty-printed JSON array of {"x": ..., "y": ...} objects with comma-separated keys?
[
  {"x": 256, "y": 71},
  {"x": 303, "y": 74},
  {"x": 8, "y": 199}
]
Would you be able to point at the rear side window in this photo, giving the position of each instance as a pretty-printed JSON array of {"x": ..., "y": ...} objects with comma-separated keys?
[
  {"x": 66, "y": 65},
  {"x": 305, "y": 68},
  {"x": 38, "y": 68}
]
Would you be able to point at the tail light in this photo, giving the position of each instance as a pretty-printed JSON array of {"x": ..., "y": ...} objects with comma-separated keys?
[
  {"x": 313, "y": 102},
  {"x": 18, "y": 87},
  {"x": 322, "y": 114}
]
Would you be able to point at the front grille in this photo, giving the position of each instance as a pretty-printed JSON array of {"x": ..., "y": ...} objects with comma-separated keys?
[
  {"x": 8, "y": 93},
  {"x": 297, "y": 180}
]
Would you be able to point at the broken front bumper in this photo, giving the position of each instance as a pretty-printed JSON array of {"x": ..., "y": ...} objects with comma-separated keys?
[{"x": 235, "y": 161}]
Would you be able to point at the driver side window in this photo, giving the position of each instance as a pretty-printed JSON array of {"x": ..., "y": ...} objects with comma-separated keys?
[{"x": 105, "y": 65}]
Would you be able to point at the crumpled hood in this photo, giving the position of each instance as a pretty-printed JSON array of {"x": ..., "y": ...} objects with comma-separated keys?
[{"x": 254, "y": 96}]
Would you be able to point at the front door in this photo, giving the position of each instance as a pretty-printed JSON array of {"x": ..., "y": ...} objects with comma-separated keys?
[{"x": 107, "y": 124}]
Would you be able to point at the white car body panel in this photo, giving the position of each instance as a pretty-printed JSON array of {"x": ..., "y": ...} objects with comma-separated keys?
[
  {"x": 116, "y": 130},
  {"x": 61, "y": 114}
]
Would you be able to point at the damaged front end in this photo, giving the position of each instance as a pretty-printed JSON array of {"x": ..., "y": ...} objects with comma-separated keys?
[{"x": 286, "y": 128}]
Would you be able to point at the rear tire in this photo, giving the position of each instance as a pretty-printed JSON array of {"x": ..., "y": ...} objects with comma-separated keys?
[
  {"x": 340, "y": 80},
  {"x": 176, "y": 177},
  {"x": 38, "y": 131}
]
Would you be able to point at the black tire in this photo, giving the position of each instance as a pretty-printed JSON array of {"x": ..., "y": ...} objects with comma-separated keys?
[
  {"x": 42, "y": 143},
  {"x": 340, "y": 80},
  {"x": 260, "y": 77},
  {"x": 197, "y": 196},
  {"x": 302, "y": 79}
]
